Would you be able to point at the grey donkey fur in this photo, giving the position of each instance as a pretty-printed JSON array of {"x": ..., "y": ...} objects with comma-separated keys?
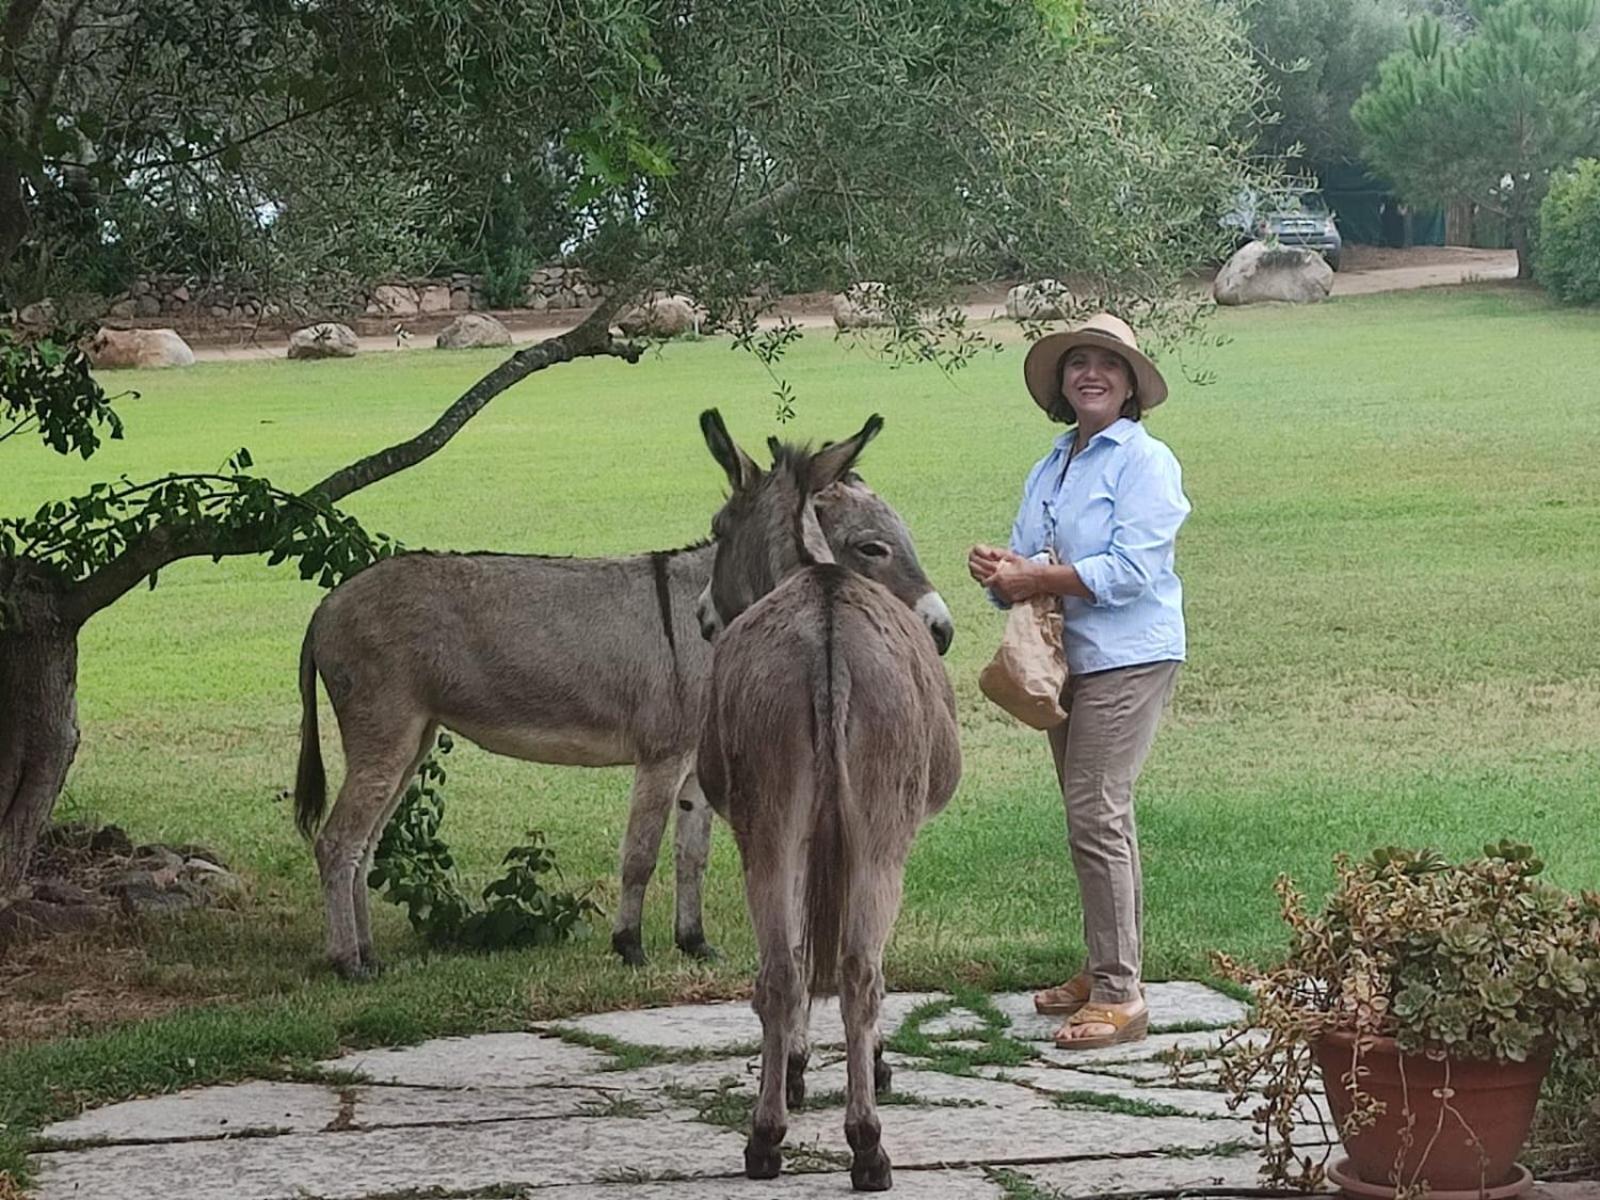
[
  {"x": 830, "y": 737},
  {"x": 580, "y": 662}
]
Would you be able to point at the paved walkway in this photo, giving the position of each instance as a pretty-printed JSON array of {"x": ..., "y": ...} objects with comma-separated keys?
[{"x": 654, "y": 1105}]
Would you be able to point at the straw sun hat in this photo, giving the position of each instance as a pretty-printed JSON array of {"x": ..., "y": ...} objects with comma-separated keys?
[{"x": 1042, "y": 368}]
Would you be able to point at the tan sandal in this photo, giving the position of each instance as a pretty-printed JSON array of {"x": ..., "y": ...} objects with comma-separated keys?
[
  {"x": 1126, "y": 1027},
  {"x": 1062, "y": 1001}
]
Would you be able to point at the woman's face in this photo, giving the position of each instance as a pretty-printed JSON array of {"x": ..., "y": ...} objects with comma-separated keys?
[{"x": 1097, "y": 383}]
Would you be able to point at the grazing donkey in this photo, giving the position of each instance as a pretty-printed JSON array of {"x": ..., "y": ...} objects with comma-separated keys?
[
  {"x": 830, "y": 737},
  {"x": 578, "y": 662}
]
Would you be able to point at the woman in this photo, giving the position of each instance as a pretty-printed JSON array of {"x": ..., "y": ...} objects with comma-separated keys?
[{"x": 1098, "y": 519}]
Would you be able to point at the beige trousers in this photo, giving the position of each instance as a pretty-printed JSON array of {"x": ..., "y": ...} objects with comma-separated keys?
[{"x": 1110, "y": 727}]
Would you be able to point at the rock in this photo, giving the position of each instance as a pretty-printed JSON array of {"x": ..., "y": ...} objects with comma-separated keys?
[
  {"x": 141, "y": 287},
  {"x": 180, "y": 294},
  {"x": 394, "y": 300},
  {"x": 1259, "y": 272},
  {"x": 157, "y": 859},
  {"x": 188, "y": 850},
  {"x": 1045, "y": 300},
  {"x": 142, "y": 894},
  {"x": 537, "y": 301},
  {"x": 117, "y": 348},
  {"x": 662, "y": 316},
  {"x": 471, "y": 331},
  {"x": 122, "y": 308},
  {"x": 110, "y": 839},
  {"x": 460, "y": 299},
  {"x": 861, "y": 306},
  {"x": 214, "y": 880},
  {"x": 565, "y": 298},
  {"x": 39, "y": 315},
  {"x": 30, "y": 917},
  {"x": 59, "y": 891},
  {"x": 434, "y": 299},
  {"x": 326, "y": 339}
]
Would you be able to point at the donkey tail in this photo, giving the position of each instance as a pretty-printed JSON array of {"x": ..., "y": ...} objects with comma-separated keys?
[
  {"x": 827, "y": 880},
  {"x": 310, "y": 783}
]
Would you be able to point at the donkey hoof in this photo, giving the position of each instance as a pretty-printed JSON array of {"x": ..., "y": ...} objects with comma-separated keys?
[
  {"x": 353, "y": 970},
  {"x": 374, "y": 965},
  {"x": 699, "y": 948},
  {"x": 628, "y": 948},
  {"x": 869, "y": 1171},
  {"x": 882, "y": 1076},
  {"x": 762, "y": 1160}
]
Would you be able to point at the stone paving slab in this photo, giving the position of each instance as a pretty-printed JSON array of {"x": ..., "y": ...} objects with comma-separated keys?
[
  {"x": 1147, "y": 1173},
  {"x": 380, "y": 1107},
  {"x": 487, "y": 1060},
  {"x": 229, "y": 1111},
  {"x": 832, "y": 1185},
  {"x": 348, "y": 1166},
  {"x": 930, "y": 1137},
  {"x": 727, "y": 1025}
]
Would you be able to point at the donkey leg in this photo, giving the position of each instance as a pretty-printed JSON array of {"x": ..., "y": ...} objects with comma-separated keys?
[
  {"x": 361, "y": 892},
  {"x": 693, "y": 839},
  {"x": 779, "y": 994},
  {"x": 654, "y": 786},
  {"x": 874, "y": 900}
]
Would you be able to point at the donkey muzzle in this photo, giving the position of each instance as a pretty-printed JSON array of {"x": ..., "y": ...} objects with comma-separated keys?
[
  {"x": 935, "y": 615},
  {"x": 705, "y": 612}
]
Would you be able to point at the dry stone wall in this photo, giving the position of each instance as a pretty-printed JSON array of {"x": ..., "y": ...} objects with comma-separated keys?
[{"x": 548, "y": 288}]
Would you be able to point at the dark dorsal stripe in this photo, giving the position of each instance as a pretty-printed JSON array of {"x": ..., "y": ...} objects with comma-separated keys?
[{"x": 658, "y": 569}]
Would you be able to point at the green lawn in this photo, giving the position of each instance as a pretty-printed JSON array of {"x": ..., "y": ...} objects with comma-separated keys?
[{"x": 1391, "y": 574}]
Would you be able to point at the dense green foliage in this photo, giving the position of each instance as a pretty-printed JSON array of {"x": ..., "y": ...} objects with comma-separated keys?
[
  {"x": 807, "y": 141},
  {"x": 1318, "y": 55},
  {"x": 1489, "y": 116},
  {"x": 1569, "y": 235}
]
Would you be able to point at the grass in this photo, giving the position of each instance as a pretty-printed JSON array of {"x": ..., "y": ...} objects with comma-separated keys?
[{"x": 1390, "y": 578}]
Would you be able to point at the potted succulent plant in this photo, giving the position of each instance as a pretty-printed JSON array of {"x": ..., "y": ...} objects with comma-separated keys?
[{"x": 1430, "y": 997}]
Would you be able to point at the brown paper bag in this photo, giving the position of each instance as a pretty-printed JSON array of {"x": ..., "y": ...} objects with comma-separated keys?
[{"x": 1028, "y": 672}]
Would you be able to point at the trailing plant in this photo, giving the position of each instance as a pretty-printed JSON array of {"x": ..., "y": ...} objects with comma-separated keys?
[
  {"x": 1479, "y": 960},
  {"x": 415, "y": 869}
]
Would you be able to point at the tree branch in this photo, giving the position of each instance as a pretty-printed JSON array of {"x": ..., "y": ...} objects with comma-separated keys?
[
  {"x": 253, "y": 135},
  {"x": 168, "y": 544}
]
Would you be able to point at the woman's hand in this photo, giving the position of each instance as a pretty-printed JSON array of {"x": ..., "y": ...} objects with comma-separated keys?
[
  {"x": 982, "y": 562},
  {"x": 1004, "y": 572},
  {"x": 1016, "y": 578}
]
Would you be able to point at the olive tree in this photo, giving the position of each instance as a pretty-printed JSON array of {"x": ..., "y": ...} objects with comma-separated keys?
[{"x": 719, "y": 148}]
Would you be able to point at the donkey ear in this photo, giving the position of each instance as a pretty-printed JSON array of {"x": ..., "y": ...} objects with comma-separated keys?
[
  {"x": 833, "y": 462},
  {"x": 742, "y": 470}
]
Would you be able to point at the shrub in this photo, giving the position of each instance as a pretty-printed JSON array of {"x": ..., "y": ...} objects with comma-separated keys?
[{"x": 1569, "y": 235}]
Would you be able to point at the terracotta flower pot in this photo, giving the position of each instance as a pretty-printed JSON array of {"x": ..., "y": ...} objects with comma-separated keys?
[{"x": 1470, "y": 1118}]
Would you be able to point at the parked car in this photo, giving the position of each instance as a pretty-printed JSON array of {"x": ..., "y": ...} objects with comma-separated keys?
[{"x": 1291, "y": 218}]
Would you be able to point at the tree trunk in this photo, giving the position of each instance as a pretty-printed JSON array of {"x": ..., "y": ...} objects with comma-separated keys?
[
  {"x": 1522, "y": 242},
  {"x": 38, "y": 721}
]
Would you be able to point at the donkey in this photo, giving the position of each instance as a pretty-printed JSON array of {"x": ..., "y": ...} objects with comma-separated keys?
[
  {"x": 578, "y": 662},
  {"x": 830, "y": 737}
]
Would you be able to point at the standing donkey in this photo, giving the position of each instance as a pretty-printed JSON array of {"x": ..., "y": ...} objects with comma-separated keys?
[
  {"x": 579, "y": 662},
  {"x": 830, "y": 737}
]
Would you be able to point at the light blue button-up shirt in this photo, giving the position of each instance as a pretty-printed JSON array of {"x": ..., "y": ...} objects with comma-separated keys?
[{"x": 1112, "y": 510}]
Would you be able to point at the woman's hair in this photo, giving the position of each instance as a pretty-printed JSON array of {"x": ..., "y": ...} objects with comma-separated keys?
[{"x": 1061, "y": 410}]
